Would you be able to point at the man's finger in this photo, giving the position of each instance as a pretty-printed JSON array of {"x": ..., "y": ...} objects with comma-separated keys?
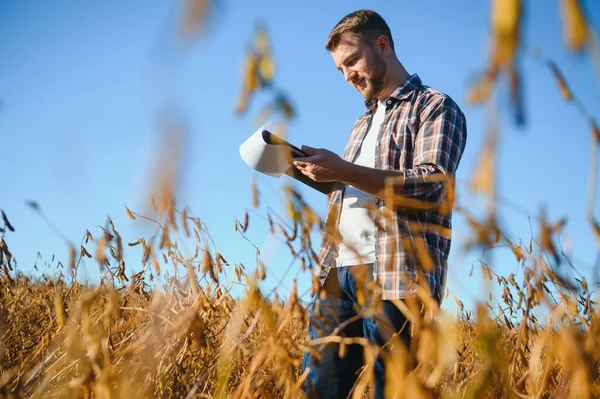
[
  {"x": 307, "y": 173},
  {"x": 312, "y": 158},
  {"x": 309, "y": 150},
  {"x": 301, "y": 166}
]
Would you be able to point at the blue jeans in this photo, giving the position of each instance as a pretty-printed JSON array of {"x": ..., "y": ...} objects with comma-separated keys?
[{"x": 332, "y": 376}]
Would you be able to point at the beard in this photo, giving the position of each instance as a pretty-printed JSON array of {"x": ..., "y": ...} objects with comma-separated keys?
[{"x": 376, "y": 79}]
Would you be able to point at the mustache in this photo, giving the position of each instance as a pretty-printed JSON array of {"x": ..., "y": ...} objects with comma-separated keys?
[{"x": 356, "y": 80}]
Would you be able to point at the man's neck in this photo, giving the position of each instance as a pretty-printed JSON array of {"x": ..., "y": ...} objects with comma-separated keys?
[{"x": 397, "y": 78}]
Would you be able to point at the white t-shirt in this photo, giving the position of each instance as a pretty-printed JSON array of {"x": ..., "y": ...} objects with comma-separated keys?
[{"x": 356, "y": 226}]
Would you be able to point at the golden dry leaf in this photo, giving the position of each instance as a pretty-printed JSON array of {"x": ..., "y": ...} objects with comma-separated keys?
[
  {"x": 315, "y": 286},
  {"x": 595, "y": 131},
  {"x": 254, "y": 193},
  {"x": 558, "y": 225},
  {"x": 575, "y": 27},
  {"x": 342, "y": 351},
  {"x": 516, "y": 94},
  {"x": 250, "y": 73},
  {"x": 483, "y": 179},
  {"x": 156, "y": 266},
  {"x": 165, "y": 241},
  {"x": 88, "y": 236},
  {"x": 485, "y": 233},
  {"x": 481, "y": 89},
  {"x": 506, "y": 20},
  {"x": 238, "y": 274},
  {"x": 165, "y": 172},
  {"x": 136, "y": 242},
  {"x": 194, "y": 17},
  {"x": 505, "y": 16},
  {"x": 427, "y": 346},
  {"x": 262, "y": 273},
  {"x": 537, "y": 359},
  {"x": 271, "y": 224},
  {"x": 284, "y": 105},
  {"x": 184, "y": 222},
  {"x": 293, "y": 298},
  {"x": 101, "y": 245},
  {"x": 360, "y": 297},
  {"x": 6, "y": 222},
  {"x": 545, "y": 239},
  {"x": 246, "y": 222},
  {"x": 310, "y": 218},
  {"x": 422, "y": 254},
  {"x": 146, "y": 251},
  {"x": 261, "y": 40},
  {"x": 207, "y": 262},
  {"x": 459, "y": 303},
  {"x": 447, "y": 341},
  {"x": 562, "y": 84},
  {"x": 220, "y": 258},
  {"x": 198, "y": 225},
  {"x": 120, "y": 273},
  {"x": 84, "y": 252},
  {"x": 250, "y": 81},
  {"x": 34, "y": 205},
  {"x": 290, "y": 237},
  {"x": 517, "y": 251},
  {"x": 129, "y": 213},
  {"x": 291, "y": 209},
  {"x": 242, "y": 102},
  {"x": 486, "y": 272},
  {"x": 258, "y": 70},
  {"x": 119, "y": 248},
  {"x": 60, "y": 311},
  {"x": 171, "y": 219},
  {"x": 596, "y": 227},
  {"x": 266, "y": 69},
  {"x": 72, "y": 254}
]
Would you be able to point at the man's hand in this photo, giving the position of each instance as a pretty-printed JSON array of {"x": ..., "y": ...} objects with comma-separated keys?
[{"x": 321, "y": 165}]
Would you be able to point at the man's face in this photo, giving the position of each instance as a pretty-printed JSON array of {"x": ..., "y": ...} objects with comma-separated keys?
[{"x": 362, "y": 65}]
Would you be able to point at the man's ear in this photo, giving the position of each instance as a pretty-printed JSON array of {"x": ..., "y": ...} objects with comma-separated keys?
[{"x": 383, "y": 45}]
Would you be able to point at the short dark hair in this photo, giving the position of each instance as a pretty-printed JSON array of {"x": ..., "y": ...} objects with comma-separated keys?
[{"x": 365, "y": 23}]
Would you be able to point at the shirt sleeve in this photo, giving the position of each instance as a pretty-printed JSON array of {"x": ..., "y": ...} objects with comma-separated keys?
[{"x": 438, "y": 148}]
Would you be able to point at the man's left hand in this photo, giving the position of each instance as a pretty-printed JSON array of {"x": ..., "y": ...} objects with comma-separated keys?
[{"x": 321, "y": 165}]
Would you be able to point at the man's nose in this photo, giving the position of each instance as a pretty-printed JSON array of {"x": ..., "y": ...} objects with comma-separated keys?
[{"x": 349, "y": 75}]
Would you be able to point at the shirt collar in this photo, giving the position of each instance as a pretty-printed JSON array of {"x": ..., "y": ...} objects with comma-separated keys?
[{"x": 402, "y": 93}]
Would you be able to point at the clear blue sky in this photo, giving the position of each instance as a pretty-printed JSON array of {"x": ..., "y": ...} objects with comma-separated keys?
[{"x": 81, "y": 84}]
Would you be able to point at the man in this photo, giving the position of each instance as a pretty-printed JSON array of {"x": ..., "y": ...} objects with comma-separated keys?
[{"x": 412, "y": 137}]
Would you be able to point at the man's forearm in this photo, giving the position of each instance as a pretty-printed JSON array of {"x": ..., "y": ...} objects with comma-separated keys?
[
  {"x": 415, "y": 185},
  {"x": 413, "y": 188},
  {"x": 369, "y": 180}
]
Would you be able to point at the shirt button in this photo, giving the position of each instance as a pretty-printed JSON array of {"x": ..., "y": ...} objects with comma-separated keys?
[
  {"x": 376, "y": 228},
  {"x": 377, "y": 143},
  {"x": 389, "y": 102}
]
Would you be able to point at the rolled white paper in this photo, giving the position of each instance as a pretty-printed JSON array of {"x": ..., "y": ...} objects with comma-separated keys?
[{"x": 270, "y": 159}]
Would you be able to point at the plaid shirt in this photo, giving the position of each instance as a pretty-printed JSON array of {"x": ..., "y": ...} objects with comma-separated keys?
[{"x": 424, "y": 133}]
